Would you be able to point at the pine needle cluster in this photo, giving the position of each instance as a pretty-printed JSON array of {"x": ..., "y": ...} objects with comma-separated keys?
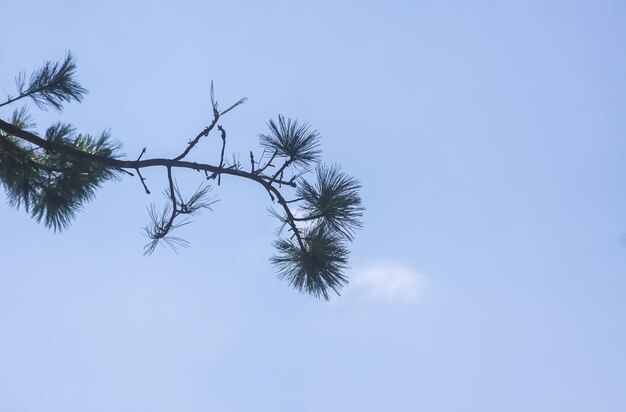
[
  {"x": 314, "y": 258},
  {"x": 53, "y": 187}
]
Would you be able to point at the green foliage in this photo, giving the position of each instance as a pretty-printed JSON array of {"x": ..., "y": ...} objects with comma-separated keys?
[
  {"x": 159, "y": 228},
  {"x": 164, "y": 222},
  {"x": 316, "y": 268},
  {"x": 333, "y": 202},
  {"x": 197, "y": 202},
  {"x": 54, "y": 176},
  {"x": 52, "y": 85},
  {"x": 22, "y": 119},
  {"x": 19, "y": 172},
  {"x": 289, "y": 139},
  {"x": 314, "y": 258},
  {"x": 53, "y": 186}
]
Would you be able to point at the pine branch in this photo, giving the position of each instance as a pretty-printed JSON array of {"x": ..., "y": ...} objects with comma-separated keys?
[
  {"x": 311, "y": 245},
  {"x": 55, "y": 175},
  {"x": 51, "y": 86},
  {"x": 315, "y": 268},
  {"x": 293, "y": 141},
  {"x": 333, "y": 202},
  {"x": 161, "y": 226},
  {"x": 127, "y": 164}
]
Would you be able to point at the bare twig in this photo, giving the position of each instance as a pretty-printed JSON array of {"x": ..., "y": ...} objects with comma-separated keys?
[
  {"x": 268, "y": 164},
  {"x": 141, "y": 178},
  {"x": 223, "y": 133},
  {"x": 172, "y": 193},
  {"x": 280, "y": 171},
  {"x": 205, "y": 132},
  {"x": 143, "y": 181}
]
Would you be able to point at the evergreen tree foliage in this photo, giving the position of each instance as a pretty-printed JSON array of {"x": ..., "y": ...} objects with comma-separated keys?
[{"x": 54, "y": 175}]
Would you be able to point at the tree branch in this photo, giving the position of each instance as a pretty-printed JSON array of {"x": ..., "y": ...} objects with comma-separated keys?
[
  {"x": 52, "y": 176},
  {"x": 200, "y": 135},
  {"x": 265, "y": 181},
  {"x": 223, "y": 133},
  {"x": 129, "y": 164},
  {"x": 269, "y": 163},
  {"x": 170, "y": 180}
]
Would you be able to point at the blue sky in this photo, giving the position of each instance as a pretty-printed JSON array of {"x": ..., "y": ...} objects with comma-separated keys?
[{"x": 489, "y": 139}]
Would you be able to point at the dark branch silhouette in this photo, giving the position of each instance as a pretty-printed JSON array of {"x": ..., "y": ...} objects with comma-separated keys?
[{"x": 53, "y": 176}]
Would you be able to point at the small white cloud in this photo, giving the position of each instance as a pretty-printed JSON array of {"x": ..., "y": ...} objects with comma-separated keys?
[{"x": 392, "y": 283}]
